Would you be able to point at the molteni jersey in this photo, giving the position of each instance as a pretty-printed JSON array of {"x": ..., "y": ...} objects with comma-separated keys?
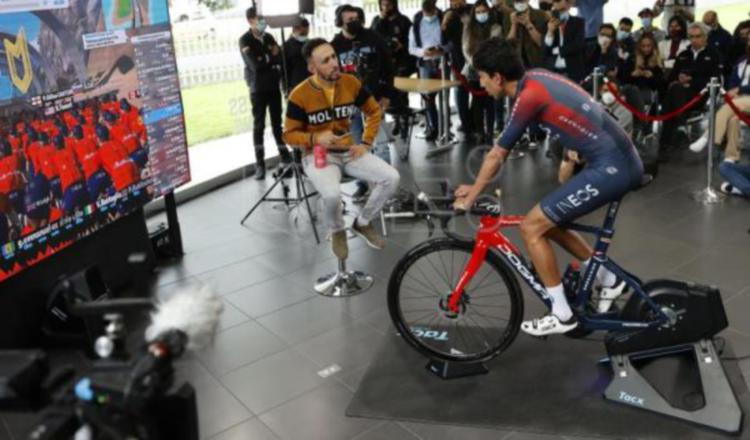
[{"x": 552, "y": 101}]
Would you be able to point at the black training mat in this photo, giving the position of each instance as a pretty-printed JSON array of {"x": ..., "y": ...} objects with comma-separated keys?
[{"x": 551, "y": 387}]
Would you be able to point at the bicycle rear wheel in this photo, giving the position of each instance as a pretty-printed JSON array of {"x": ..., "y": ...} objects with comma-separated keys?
[{"x": 491, "y": 306}]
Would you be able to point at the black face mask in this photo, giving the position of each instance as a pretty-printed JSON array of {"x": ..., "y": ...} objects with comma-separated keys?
[
  {"x": 354, "y": 27},
  {"x": 545, "y": 6}
]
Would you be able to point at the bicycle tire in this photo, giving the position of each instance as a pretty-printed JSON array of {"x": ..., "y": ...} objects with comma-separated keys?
[{"x": 495, "y": 262}]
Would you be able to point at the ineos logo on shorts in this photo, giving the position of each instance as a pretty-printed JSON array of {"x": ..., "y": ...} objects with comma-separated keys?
[
  {"x": 577, "y": 199},
  {"x": 625, "y": 397}
]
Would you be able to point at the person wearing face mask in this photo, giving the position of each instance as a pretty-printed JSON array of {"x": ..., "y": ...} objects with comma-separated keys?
[
  {"x": 604, "y": 54},
  {"x": 592, "y": 11},
  {"x": 483, "y": 24},
  {"x": 625, "y": 42},
  {"x": 262, "y": 57},
  {"x": 671, "y": 8},
  {"x": 728, "y": 125},
  {"x": 693, "y": 69},
  {"x": 393, "y": 26},
  {"x": 527, "y": 27},
  {"x": 453, "y": 31},
  {"x": 365, "y": 54},
  {"x": 676, "y": 43},
  {"x": 564, "y": 43},
  {"x": 426, "y": 42},
  {"x": 647, "y": 21},
  {"x": 296, "y": 65}
]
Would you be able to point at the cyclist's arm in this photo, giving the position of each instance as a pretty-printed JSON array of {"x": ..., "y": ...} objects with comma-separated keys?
[{"x": 491, "y": 165}]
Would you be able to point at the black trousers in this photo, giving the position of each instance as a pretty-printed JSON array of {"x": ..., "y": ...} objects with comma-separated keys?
[{"x": 272, "y": 101}]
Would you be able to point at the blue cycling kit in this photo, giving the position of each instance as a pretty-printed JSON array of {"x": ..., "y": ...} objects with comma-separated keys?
[{"x": 551, "y": 101}]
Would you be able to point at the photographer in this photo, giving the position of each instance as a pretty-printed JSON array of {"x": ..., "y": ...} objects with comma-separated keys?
[
  {"x": 319, "y": 115},
  {"x": 296, "y": 66},
  {"x": 364, "y": 54},
  {"x": 527, "y": 26},
  {"x": 262, "y": 58},
  {"x": 394, "y": 28},
  {"x": 453, "y": 24},
  {"x": 565, "y": 43},
  {"x": 426, "y": 43}
]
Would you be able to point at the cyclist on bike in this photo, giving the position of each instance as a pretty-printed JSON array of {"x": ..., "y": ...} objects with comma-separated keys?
[{"x": 613, "y": 168}]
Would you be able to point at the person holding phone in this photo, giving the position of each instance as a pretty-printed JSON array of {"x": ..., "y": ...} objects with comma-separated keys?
[{"x": 426, "y": 43}]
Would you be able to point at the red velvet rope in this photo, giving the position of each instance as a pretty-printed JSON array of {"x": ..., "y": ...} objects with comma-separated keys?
[
  {"x": 742, "y": 116},
  {"x": 465, "y": 83},
  {"x": 650, "y": 118}
]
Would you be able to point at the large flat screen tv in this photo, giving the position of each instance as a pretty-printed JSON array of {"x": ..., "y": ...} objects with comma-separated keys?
[{"x": 91, "y": 121}]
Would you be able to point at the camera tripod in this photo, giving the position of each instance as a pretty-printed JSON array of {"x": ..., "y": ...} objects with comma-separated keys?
[{"x": 295, "y": 169}]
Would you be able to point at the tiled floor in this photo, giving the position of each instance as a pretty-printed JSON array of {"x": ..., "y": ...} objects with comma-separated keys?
[{"x": 261, "y": 378}]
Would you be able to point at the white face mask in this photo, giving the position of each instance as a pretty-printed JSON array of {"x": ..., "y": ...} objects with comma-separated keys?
[
  {"x": 483, "y": 17},
  {"x": 622, "y": 35},
  {"x": 603, "y": 39},
  {"x": 430, "y": 18},
  {"x": 261, "y": 26},
  {"x": 646, "y": 22},
  {"x": 520, "y": 6},
  {"x": 301, "y": 38},
  {"x": 608, "y": 98}
]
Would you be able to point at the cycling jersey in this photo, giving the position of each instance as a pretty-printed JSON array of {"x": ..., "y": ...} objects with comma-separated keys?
[
  {"x": 67, "y": 169},
  {"x": 551, "y": 101},
  {"x": 119, "y": 166},
  {"x": 88, "y": 156}
]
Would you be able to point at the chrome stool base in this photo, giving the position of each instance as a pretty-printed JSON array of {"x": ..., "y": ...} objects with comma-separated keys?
[{"x": 343, "y": 283}]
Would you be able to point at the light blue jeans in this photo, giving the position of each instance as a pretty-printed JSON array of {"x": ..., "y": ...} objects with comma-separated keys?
[
  {"x": 737, "y": 175},
  {"x": 381, "y": 148}
]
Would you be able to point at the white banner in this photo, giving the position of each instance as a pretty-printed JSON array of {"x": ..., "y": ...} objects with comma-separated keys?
[
  {"x": 8, "y": 6},
  {"x": 104, "y": 39}
]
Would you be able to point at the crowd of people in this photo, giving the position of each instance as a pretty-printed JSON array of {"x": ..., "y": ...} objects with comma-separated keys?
[
  {"x": 54, "y": 166},
  {"x": 663, "y": 65}
]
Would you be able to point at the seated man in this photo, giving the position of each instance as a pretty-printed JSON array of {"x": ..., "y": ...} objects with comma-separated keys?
[
  {"x": 738, "y": 179},
  {"x": 319, "y": 113},
  {"x": 613, "y": 168}
]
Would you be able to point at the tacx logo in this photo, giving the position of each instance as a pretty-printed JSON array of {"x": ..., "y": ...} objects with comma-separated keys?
[
  {"x": 578, "y": 198},
  {"x": 633, "y": 400},
  {"x": 19, "y": 51},
  {"x": 425, "y": 333}
]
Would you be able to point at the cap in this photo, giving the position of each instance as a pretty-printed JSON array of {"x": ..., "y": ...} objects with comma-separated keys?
[{"x": 646, "y": 11}]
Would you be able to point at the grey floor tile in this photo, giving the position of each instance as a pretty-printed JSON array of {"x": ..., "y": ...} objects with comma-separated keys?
[
  {"x": 249, "y": 430},
  {"x": 238, "y": 275},
  {"x": 533, "y": 436},
  {"x": 349, "y": 346},
  {"x": 238, "y": 346},
  {"x": 351, "y": 378},
  {"x": 380, "y": 319},
  {"x": 165, "y": 291},
  {"x": 218, "y": 409},
  {"x": 725, "y": 266},
  {"x": 273, "y": 380},
  {"x": 266, "y": 297},
  {"x": 300, "y": 322},
  {"x": 231, "y": 317},
  {"x": 200, "y": 262},
  {"x": 318, "y": 415},
  {"x": 386, "y": 431},
  {"x": 450, "y": 432},
  {"x": 292, "y": 258}
]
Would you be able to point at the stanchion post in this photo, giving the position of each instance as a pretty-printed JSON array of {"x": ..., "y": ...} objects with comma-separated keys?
[
  {"x": 596, "y": 79},
  {"x": 707, "y": 195}
]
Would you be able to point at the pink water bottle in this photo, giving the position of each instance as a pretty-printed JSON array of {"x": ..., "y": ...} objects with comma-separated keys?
[{"x": 319, "y": 152}]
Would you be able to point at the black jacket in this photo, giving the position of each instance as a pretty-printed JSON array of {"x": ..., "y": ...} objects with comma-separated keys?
[
  {"x": 296, "y": 66},
  {"x": 708, "y": 63},
  {"x": 573, "y": 49},
  {"x": 392, "y": 30},
  {"x": 453, "y": 35},
  {"x": 262, "y": 70},
  {"x": 369, "y": 58}
]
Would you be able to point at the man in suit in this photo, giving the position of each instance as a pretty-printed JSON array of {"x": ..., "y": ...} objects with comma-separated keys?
[{"x": 565, "y": 42}]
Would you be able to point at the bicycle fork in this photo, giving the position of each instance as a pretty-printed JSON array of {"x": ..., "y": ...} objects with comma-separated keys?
[{"x": 472, "y": 267}]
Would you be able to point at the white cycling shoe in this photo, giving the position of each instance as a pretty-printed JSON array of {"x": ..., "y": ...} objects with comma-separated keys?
[
  {"x": 548, "y": 325},
  {"x": 608, "y": 296}
]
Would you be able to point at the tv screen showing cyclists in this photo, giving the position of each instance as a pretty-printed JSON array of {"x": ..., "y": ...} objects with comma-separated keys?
[{"x": 91, "y": 122}]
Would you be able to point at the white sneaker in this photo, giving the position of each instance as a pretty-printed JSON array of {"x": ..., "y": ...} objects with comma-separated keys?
[
  {"x": 728, "y": 188},
  {"x": 608, "y": 296},
  {"x": 700, "y": 144},
  {"x": 548, "y": 325}
]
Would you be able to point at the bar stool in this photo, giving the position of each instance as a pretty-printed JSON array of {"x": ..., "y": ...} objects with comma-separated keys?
[{"x": 343, "y": 282}]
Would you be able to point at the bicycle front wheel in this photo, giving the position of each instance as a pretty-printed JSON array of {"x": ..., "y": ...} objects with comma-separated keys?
[{"x": 491, "y": 306}]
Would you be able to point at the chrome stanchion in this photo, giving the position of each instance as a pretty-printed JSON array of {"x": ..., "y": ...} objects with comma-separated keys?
[
  {"x": 445, "y": 140},
  {"x": 596, "y": 80},
  {"x": 707, "y": 195}
]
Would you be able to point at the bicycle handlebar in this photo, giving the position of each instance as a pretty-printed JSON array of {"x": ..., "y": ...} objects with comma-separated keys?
[{"x": 441, "y": 207}]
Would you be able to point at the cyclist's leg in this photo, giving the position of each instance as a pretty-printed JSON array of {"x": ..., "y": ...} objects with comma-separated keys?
[{"x": 571, "y": 241}]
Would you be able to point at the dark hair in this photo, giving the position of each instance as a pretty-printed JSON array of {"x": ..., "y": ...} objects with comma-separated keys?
[
  {"x": 609, "y": 26},
  {"x": 741, "y": 25},
  {"x": 310, "y": 46},
  {"x": 339, "y": 12},
  {"x": 301, "y": 23},
  {"x": 626, "y": 21},
  {"x": 498, "y": 55},
  {"x": 683, "y": 24},
  {"x": 429, "y": 5},
  {"x": 251, "y": 13}
]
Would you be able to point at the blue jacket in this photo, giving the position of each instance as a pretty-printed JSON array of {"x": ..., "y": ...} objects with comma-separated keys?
[{"x": 738, "y": 72}]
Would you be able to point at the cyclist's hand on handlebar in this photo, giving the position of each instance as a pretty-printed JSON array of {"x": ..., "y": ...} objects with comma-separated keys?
[{"x": 464, "y": 198}]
